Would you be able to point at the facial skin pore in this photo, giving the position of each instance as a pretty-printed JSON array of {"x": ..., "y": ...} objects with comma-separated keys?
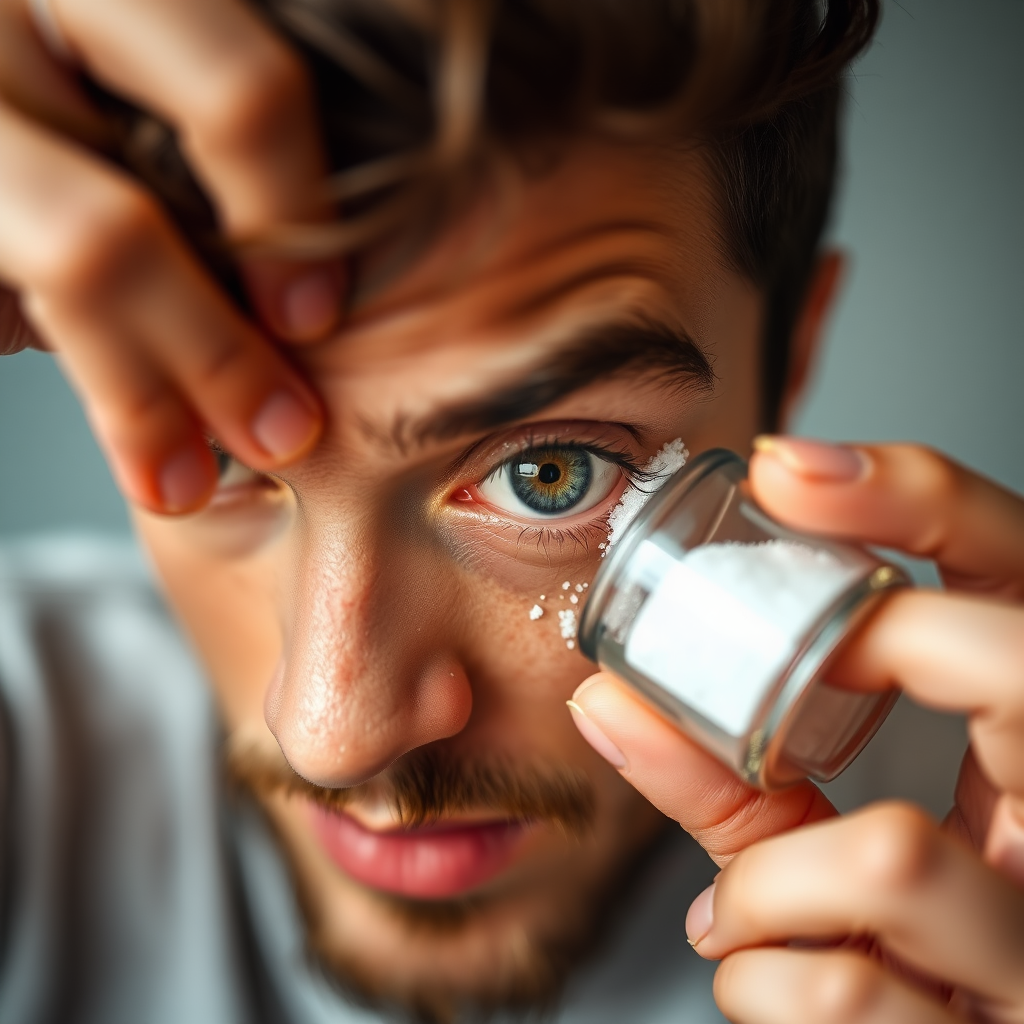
[{"x": 371, "y": 601}]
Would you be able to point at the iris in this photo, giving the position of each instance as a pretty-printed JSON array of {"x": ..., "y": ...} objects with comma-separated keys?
[{"x": 551, "y": 480}]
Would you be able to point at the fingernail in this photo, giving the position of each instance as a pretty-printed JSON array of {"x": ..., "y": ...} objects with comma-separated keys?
[
  {"x": 815, "y": 459},
  {"x": 185, "y": 480},
  {"x": 597, "y": 739},
  {"x": 284, "y": 425},
  {"x": 311, "y": 304},
  {"x": 700, "y": 916}
]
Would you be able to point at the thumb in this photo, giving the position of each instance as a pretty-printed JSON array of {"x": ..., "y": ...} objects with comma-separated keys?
[{"x": 682, "y": 780}]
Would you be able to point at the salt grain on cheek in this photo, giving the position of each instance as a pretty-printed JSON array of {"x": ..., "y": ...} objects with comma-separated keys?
[
  {"x": 567, "y": 626},
  {"x": 536, "y": 612}
]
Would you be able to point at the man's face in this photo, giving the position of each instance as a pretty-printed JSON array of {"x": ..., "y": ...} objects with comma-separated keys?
[{"x": 367, "y": 614}]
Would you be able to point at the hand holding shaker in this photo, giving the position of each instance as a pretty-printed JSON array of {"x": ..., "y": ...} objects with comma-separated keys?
[{"x": 724, "y": 621}]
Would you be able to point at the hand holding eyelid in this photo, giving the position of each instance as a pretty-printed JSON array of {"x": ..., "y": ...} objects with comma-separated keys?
[{"x": 156, "y": 351}]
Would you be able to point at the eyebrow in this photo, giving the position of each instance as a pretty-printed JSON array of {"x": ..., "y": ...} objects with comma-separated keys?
[{"x": 601, "y": 352}]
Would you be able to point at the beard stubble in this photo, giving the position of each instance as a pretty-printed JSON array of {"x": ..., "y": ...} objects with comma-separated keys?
[{"x": 426, "y": 786}]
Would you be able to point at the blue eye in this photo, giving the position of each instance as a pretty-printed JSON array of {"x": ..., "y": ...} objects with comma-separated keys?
[{"x": 549, "y": 482}]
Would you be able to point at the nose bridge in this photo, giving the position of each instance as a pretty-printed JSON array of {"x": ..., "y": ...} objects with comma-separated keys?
[{"x": 367, "y": 669}]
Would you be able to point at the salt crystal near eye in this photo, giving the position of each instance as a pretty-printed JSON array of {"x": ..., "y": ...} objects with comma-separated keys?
[
  {"x": 670, "y": 459},
  {"x": 724, "y": 621}
]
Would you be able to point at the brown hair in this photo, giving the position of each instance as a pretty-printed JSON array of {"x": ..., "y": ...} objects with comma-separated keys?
[{"x": 417, "y": 97}]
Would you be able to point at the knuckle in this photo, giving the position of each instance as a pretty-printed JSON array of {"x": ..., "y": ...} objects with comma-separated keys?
[
  {"x": 939, "y": 485},
  {"x": 99, "y": 244},
  {"x": 131, "y": 414},
  {"x": 146, "y": 404},
  {"x": 252, "y": 98},
  {"x": 899, "y": 847},
  {"x": 222, "y": 361},
  {"x": 940, "y": 479},
  {"x": 842, "y": 989}
]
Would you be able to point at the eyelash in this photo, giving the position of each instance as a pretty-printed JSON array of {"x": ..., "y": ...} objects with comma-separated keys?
[
  {"x": 625, "y": 460},
  {"x": 219, "y": 453}
]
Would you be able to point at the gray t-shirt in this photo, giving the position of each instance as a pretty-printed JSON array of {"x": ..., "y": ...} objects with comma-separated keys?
[{"x": 135, "y": 890}]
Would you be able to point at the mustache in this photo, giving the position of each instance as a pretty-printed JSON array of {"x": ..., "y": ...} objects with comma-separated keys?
[{"x": 428, "y": 785}]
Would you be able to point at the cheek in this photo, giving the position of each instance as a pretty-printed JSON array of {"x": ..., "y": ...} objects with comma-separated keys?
[
  {"x": 227, "y": 607},
  {"x": 519, "y": 563},
  {"x": 522, "y": 673}
]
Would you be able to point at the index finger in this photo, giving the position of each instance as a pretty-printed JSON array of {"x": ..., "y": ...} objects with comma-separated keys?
[
  {"x": 900, "y": 496},
  {"x": 242, "y": 105}
]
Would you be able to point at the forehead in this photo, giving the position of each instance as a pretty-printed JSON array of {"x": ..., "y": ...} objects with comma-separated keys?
[{"x": 608, "y": 233}]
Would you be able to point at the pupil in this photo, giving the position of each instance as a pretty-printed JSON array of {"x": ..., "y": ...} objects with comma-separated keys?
[{"x": 549, "y": 473}]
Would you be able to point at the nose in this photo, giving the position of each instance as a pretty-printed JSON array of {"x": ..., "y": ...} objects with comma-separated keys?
[{"x": 368, "y": 671}]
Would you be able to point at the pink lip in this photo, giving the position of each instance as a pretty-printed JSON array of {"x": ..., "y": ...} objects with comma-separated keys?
[{"x": 423, "y": 863}]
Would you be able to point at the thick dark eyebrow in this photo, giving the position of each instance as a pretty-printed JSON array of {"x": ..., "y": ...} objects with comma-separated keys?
[{"x": 594, "y": 355}]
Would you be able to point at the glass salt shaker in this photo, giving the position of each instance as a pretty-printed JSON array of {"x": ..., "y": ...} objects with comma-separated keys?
[{"x": 724, "y": 621}]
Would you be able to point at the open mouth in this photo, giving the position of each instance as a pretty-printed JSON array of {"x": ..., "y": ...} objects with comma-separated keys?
[{"x": 436, "y": 861}]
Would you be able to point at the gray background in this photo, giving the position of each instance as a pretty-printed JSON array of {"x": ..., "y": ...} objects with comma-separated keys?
[{"x": 927, "y": 343}]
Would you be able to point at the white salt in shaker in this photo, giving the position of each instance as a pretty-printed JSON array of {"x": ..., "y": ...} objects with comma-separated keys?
[{"x": 724, "y": 621}]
